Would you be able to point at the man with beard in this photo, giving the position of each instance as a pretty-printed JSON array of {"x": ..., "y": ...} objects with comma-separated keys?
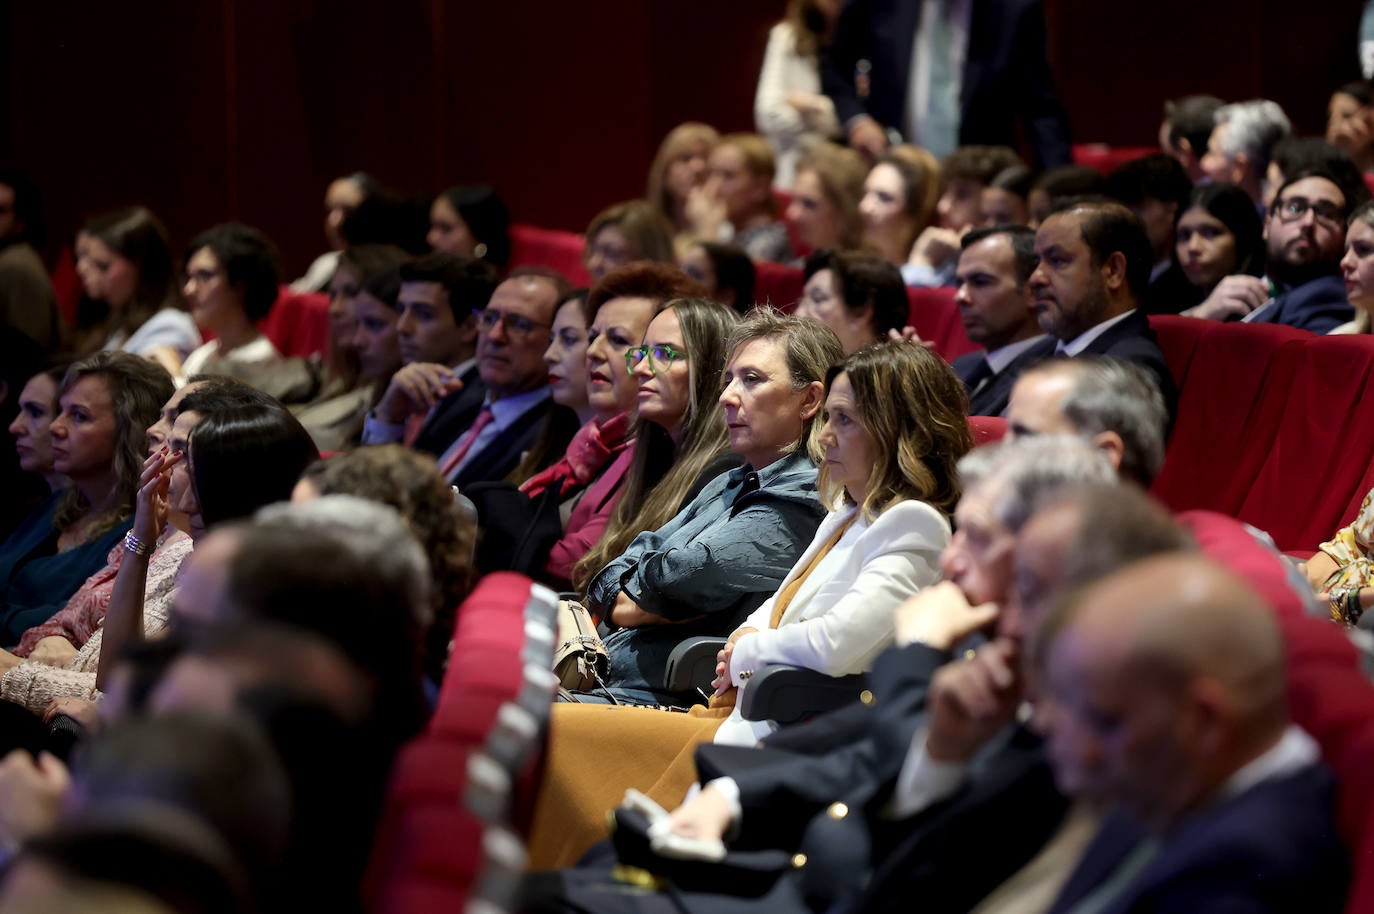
[
  {"x": 1095, "y": 261},
  {"x": 1304, "y": 235}
]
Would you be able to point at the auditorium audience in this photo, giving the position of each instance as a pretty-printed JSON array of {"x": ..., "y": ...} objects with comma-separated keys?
[
  {"x": 857, "y": 295},
  {"x": 722, "y": 555},
  {"x": 341, "y": 197},
  {"x": 725, "y": 272},
  {"x": 627, "y": 233},
  {"x": 964, "y": 173},
  {"x": 410, "y": 483},
  {"x": 1219, "y": 234},
  {"x": 996, "y": 308},
  {"x": 558, "y": 513},
  {"x": 127, "y": 267},
  {"x": 790, "y": 110},
  {"x": 681, "y": 427},
  {"x": 1214, "y": 777},
  {"x": 1304, "y": 233},
  {"x": 1089, "y": 285},
  {"x": 231, "y": 279},
  {"x": 899, "y": 199},
  {"x": 1185, "y": 130},
  {"x": 824, "y": 210},
  {"x": 890, "y": 484},
  {"x": 677, "y": 176},
  {"x": 1006, "y": 199},
  {"x": 27, "y": 301},
  {"x": 471, "y": 221},
  {"x": 29, "y": 403},
  {"x": 1350, "y": 123},
  {"x": 567, "y": 354},
  {"x": 1156, "y": 189},
  {"x": 107, "y": 402},
  {"x": 1242, "y": 142},
  {"x": 740, "y": 183},
  {"x": 1050, "y": 188},
  {"x": 1357, "y": 269}
]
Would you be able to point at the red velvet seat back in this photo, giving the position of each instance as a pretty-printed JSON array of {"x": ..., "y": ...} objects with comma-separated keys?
[
  {"x": 1319, "y": 464},
  {"x": 562, "y": 251},
  {"x": 1229, "y": 410},
  {"x": 1105, "y": 158},
  {"x": 777, "y": 286},
  {"x": 1178, "y": 339},
  {"x": 298, "y": 324},
  {"x": 936, "y": 318},
  {"x": 987, "y": 429}
]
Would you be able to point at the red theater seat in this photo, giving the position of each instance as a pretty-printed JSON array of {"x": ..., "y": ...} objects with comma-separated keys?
[
  {"x": 777, "y": 286},
  {"x": 1319, "y": 465},
  {"x": 1178, "y": 338},
  {"x": 562, "y": 251},
  {"x": 1229, "y": 409},
  {"x": 936, "y": 318},
  {"x": 987, "y": 429},
  {"x": 1104, "y": 158},
  {"x": 298, "y": 324}
]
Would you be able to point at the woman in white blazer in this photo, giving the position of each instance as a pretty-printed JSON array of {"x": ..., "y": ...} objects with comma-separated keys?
[
  {"x": 894, "y": 430},
  {"x": 789, "y": 107}
]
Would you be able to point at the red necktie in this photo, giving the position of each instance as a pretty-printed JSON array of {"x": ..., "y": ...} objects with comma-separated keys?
[
  {"x": 413, "y": 425},
  {"x": 461, "y": 449}
]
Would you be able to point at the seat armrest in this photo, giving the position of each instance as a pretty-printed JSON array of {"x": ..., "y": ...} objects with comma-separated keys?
[
  {"x": 790, "y": 694},
  {"x": 692, "y": 664}
]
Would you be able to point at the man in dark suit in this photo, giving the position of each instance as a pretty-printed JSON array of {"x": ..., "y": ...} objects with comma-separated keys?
[
  {"x": 1094, "y": 268},
  {"x": 995, "y": 307},
  {"x": 436, "y": 334},
  {"x": 1164, "y": 685},
  {"x": 945, "y": 73},
  {"x": 1304, "y": 234},
  {"x": 901, "y": 802}
]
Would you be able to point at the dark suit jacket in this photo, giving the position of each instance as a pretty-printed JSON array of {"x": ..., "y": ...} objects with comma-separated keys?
[
  {"x": 1132, "y": 340},
  {"x": 452, "y": 415},
  {"x": 1006, "y": 74},
  {"x": 1171, "y": 293},
  {"x": 1318, "y": 306},
  {"x": 942, "y": 855},
  {"x": 504, "y": 452},
  {"x": 1272, "y": 848},
  {"x": 992, "y": 399}
]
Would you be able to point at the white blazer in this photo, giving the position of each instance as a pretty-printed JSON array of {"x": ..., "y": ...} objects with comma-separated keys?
[
  {"x": 841, "y": 617},
  {"x": 785, "y": 71}
]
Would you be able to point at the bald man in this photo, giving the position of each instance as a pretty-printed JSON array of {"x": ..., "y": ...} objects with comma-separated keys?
[{"x": 1163, "y": 694}]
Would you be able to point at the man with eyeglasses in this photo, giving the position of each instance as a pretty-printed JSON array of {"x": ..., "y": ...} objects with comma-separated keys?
[{"x": 1304, "y": 235}]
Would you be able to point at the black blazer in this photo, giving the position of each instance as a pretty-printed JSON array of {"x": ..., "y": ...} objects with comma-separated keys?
[
  {"x": 1274, "y": 847},
  {"x": 992, "y": 399},
  {"x": 1006, "y": 74},
  {"x": 453, "y": 415},
  {"x": 504, "y": 452},
  {"x": 1132, "y": 340},
  {"x": 1319, "y": 306}
]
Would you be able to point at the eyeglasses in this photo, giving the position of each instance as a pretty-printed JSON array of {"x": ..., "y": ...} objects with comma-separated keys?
[
  {"x": 1292, "y": 209},
  {"x": 661, "y": 358},
  {"x": 517, "y": 326}
]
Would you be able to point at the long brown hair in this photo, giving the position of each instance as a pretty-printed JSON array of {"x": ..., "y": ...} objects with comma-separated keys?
[{"x": 659, "y": 478}]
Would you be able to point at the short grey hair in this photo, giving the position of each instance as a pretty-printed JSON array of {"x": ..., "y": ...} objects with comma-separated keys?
[
  {"x": 1255, "y": 127},
  {"x": 1028, "y": 473},
  {"x": 1108, "y": 395},
  {"x": 368, "y": 534}
]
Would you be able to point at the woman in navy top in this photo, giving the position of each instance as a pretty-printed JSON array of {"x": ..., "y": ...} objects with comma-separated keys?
[{"x": 106, "y": 403}]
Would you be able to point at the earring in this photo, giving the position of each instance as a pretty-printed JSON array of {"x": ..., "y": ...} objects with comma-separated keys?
[{"x": 479, "y": 250}]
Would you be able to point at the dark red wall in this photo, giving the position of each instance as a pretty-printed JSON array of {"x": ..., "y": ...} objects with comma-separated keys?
[{"x": 235, "y": 109}]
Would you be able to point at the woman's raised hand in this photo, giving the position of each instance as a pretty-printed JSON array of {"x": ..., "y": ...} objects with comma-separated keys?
[{"x": 150, "y": 512}]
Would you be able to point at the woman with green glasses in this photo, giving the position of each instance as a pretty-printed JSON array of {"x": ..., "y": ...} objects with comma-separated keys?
[{"x": 565, "y": 508}]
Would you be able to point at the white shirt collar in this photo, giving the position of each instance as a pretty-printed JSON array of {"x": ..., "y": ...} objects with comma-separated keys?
[
  {"x": 1085, "y": 339},
  {"x": 507, "y": 409},
  {"x": 1294, "y": 751},
  {"x": 1000, "y": 358}
]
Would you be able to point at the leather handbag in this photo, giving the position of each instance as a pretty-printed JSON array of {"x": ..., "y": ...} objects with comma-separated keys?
[{"x": 580, "y": 659}]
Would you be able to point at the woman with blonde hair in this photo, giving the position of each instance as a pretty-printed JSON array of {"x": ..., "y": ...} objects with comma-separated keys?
[
  {"x": 825, "y": 198},
  {"x": 624, "y": 234},
  {"x": 679, "y": 171},
  {"x": 740, "y": 185},
  {"x": 895, "y": 427},
  {"x": 899, "y": 199}
]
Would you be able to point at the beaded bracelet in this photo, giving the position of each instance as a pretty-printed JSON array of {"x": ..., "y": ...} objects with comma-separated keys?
[{"x": 136, "y": 546}]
